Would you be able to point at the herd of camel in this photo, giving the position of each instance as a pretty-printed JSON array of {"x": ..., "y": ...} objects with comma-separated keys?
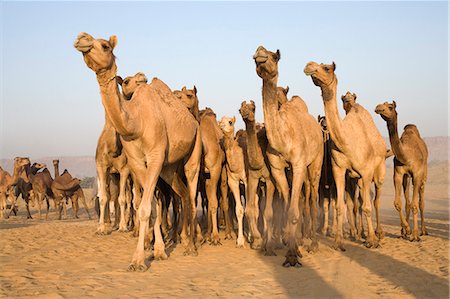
[{"x": 157, "y": 148}]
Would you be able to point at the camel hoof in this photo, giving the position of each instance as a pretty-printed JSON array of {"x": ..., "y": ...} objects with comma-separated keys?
[
  {"x": 240, "y": 243},
  {"x": 215, "y": 241},
  {"x": 191, "y": 251},
  {"x": 228, "y": 236},
  {"x": 371, "y": 243},
  {"x": 339, "y": 246},
  {"x": 424, "y": 232},
  {"x": 256, "y": 244},
  {"x": 291, "y": 261},
  {"x": 313, "y": 248},
  {"x": 269, "y": 252},
  {"x": 379, "y": 233},
  {"x": 131, "y": 268},
  {"x": 414, "y": 237},
  {"x": 160, "y": 255}
]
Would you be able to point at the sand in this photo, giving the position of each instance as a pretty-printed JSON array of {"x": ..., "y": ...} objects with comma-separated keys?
[{"x": 65, "y": 259}]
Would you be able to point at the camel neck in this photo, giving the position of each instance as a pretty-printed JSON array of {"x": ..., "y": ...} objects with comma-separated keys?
[
  {"x": 254, "y": 153},
  {"x": 274, "y": 128},
  {"x": 112, "y": 101},
  {"x": 228, "y": 140},
  {"x": 56, "y": 166},
  {"x": 395, "y": 140},
  {"x": 334, "y": 122}
]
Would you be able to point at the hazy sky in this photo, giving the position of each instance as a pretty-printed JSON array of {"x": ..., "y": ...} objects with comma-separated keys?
[{"x": 50, "y": 101}]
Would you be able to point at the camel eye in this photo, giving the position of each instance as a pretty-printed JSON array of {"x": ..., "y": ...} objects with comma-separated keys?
[
  {"x": 125, "y": 82},
  {"x": 230, "y": 122},
  {"x": 105, "y": 47}
]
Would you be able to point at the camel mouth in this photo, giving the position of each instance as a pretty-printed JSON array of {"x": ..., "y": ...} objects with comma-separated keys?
[
  {"x": 84, "y": 43},
  {"x": 379, "y": 110},
  {"x": 260, "y": 59}
]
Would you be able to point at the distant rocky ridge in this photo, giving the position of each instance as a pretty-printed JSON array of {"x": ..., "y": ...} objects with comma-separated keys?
[{"x": 84, "y": 166}]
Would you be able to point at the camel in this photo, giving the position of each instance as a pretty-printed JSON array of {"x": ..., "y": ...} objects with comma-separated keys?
[
  {"x": 109, "y": 159},
  {"x": 41, "y": 187},
  {"x": 64, "y": 186},
  {"x": 327, "y": 190},
  {"x": 410, "y": 161},
  {"x": 154, "y": 142},
  {"x": 7, "y": 181},
  {"x": 236, "y": 174},
  {"x": 296, "y": 135},
  {"x": 359, "y": 150},
  {"x": 213, "y": 158},
  {"x": 258, "y": 171}
]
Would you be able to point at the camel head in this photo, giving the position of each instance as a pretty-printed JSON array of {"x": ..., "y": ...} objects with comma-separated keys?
[
  {"x": 321, "y": 74},
  {"x": 21, "y": 161},
  {"x": 387, "y": 111},
  {"x": 248, "y": 111},
  {"x": 131, "y": 83},
  {"x": 97, "y": 53},
  {"x": 266, "y": 63},
  {"x": 55, "y": 162},
  {"x": 38, "y": 165},
  {"x": 282, "y": 95},
  {"x": 348, "y": 101},
  {"x": 226, "y": 124}
]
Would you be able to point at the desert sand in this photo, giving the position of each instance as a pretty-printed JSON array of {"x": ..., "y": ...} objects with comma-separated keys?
[{"x": 66, "y": 259}]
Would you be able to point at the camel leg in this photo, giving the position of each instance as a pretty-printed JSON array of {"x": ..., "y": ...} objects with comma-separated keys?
[
  {"x": 422, "y": 209},
  {"x": 349, "y": 201},
  {"x": 406, "y": 183},
  {"x": 224, "y": 204},
  {"x": 417, "y": 183},
  {"x": 283, "y": 187},
  {"x": 378, "y": 181},
  {"x": 48, "y": 207},
  {"x": 211, "y": 194},
  {"x": 147, "y": 177},
  {"x": 305, "y": 211},
  {"x": 314, "y": 179},
  {"x": 334, "y": 218},
  {"x": 103, "y": 198},
  {"x": 3, "y": 205},
  {"x": 234, "y": 187},
  {"x": 292, "y": 255},
  {"x": 324, "y": 202},
  {"x": 252, "y": 211},
  {"x": 339, "y": 177},
  {"x": 371, "y": 240},
  {"x": 159, "y": 248},
  {"x": 123, "y": 178},
  {"x": 83, "y": 202},
  {"x": 398, "y": 180},
  {"x": 268, "y": 218},
  {"x": 13, "y": 204}
]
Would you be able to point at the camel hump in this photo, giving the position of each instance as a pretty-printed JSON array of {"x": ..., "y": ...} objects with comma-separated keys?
[
  {"x": 66, "y": 186},
  {"x": 410, "y": 128},
  {"x": 299, "y": 103}
]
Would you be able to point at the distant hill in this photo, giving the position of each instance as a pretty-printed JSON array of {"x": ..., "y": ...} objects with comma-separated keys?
[{"x": 84, "y": 166}]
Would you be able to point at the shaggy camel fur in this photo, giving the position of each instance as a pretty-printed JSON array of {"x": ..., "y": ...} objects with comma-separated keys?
[
  {"x": 359, "y": 149},
  {"x": 296, "y": 135},
  {"x": 235, "y": 166},
  {"x": 257, "y": 171},
  {"x": 213, "y": 158},
  {"x": 7, "y": 181},
  {"x": 154, "y": 142},
  {"x": 410, "y": 161}
]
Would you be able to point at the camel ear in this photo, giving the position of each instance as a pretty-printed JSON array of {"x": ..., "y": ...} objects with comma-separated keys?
[
  {"x": 113, "y": 41},
  {"x": 119, "y": 80},
  {"x": 183, "y": 89},
  {"x": 278, "y": 55},
  {"x": 354, "y": 95},
  {"x": 233, "y": 119},
  {"x": 195, "y": 90},
  {"x": 342, "y": 97},
  {"x": 252, "y": 102},
  {"x": 334, "y": 66},
  {"x": 318, "y": 118},
  {"x": 286, "y": 90},
  {"x": 395, "y": 104}
]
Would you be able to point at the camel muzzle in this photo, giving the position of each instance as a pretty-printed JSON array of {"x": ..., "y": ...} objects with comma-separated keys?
[{"x": 84, "y": 42}]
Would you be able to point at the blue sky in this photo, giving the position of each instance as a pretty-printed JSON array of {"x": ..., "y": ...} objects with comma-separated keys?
[{"x": 50, "y": 101}]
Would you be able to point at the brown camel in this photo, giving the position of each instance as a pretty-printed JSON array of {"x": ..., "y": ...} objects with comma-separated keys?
[
  {"x": 359, "y": 149},
  {"x": 42, "y": 187},
  {"x": 410, "y": 161},
  {"x": 63, "y": 187},
  {"x": 7, "y": 181},
  {"x": 236, "y": 174},
  {"x": 111, "y": 159},
  {"x": 296, "y": 135},
  {"x": 258, "y": 172},
  {"x": 213, "y": 158},
  {"x": 154, "y": 142}
]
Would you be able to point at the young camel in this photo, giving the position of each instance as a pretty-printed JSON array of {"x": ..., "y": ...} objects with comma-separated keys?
[
  {"x": 154, "y": 142},
  {"x": 359, "y": 149},
  {"x": 213, "y": 157},
  {"x": 235, "y": 171},
  {"x": 410, "y": 161},
  {"x": 258, "y": 171},
  {"x": 296, "y": 135}
]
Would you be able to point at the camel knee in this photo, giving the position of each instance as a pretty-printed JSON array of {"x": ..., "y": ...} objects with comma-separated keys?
[
  {"x": 239, "y": 211},
  {"x": 398, "y": 205}
]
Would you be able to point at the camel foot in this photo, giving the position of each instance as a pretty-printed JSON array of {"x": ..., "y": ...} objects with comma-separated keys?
[
  {"x": 314, "y": 247},
  {"x": 424, "y": 232},
  {"x": 29, "y": 217},
  {"x": 137, "y": 267},
  {"x": 240, "y": 242},
  {"x": 190, "y": 250},
  {"x": 414, "y": 236},
  {"x": 215, "y": 240},
  {"x": 324, "y": 231},
  {"x": 371, "y": 242},
  {"x": 159, "y": 253},
  {"x": 268, "y": 251},
  {"x": 380, "y": 234},
  {"x": 256, "y": 244},
  {"x": 122, "y": 229},
  {"x": 228, "y": 236},
  {"x": 103, "y": 230},
  {"x": 339, "y": 246},
  {"x": 291, "y": 260}
]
